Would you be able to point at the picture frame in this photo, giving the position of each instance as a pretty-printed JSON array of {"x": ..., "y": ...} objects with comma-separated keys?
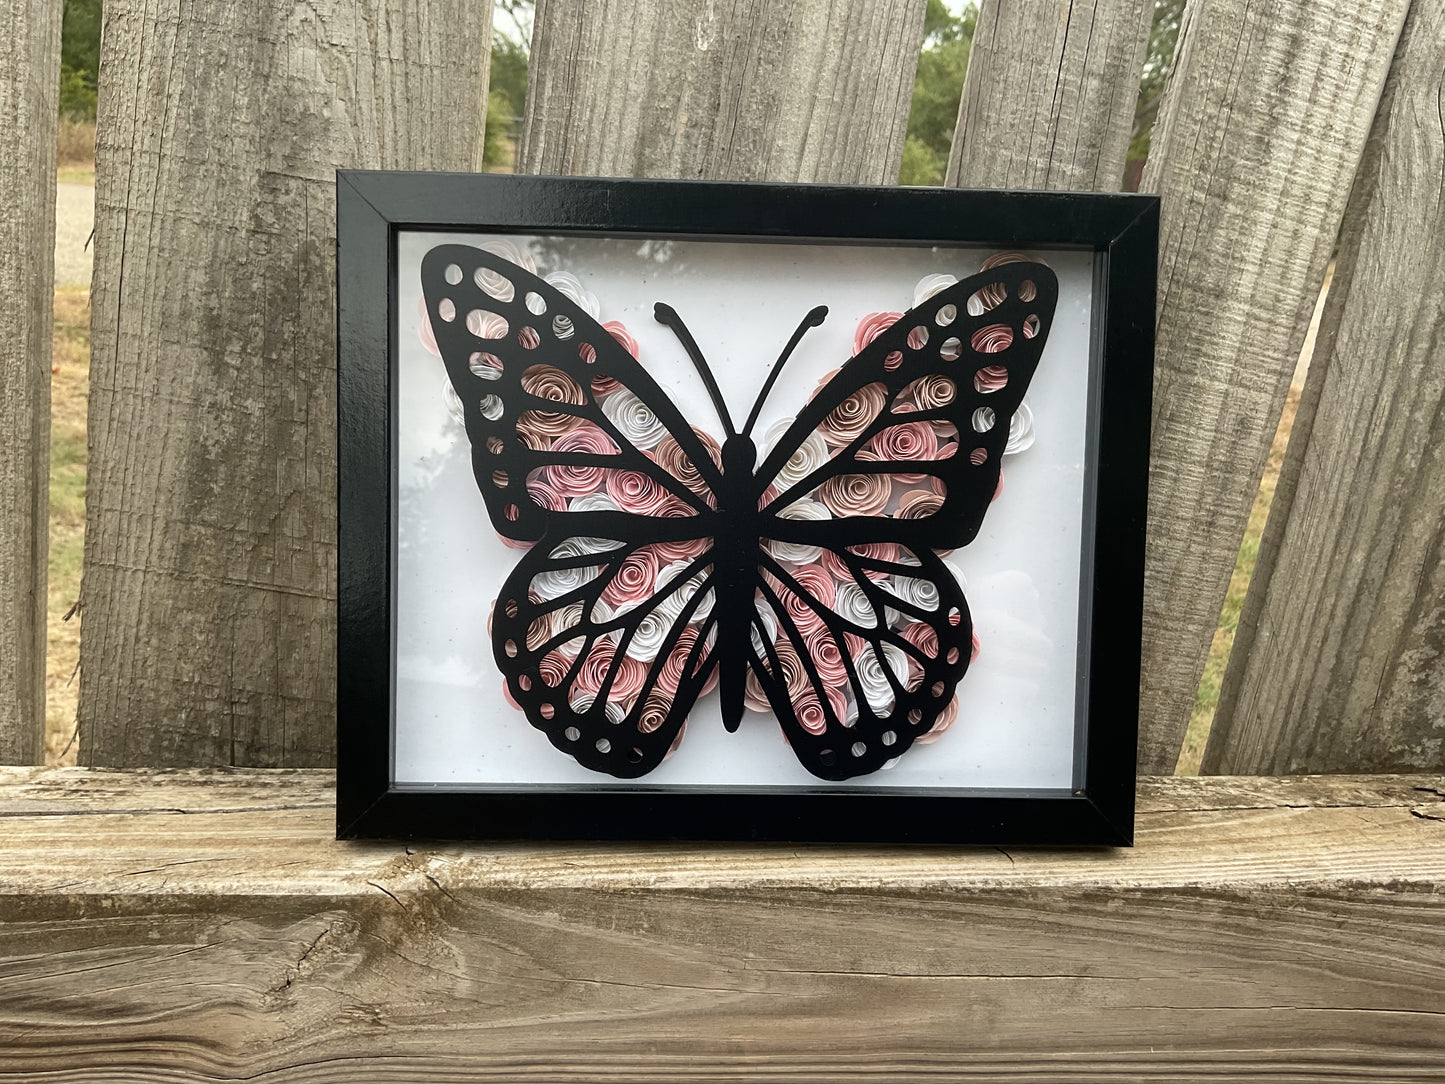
[{"x": 426, "y": 748}]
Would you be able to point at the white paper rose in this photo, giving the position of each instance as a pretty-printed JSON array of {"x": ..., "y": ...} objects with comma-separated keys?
[
  {"x": 797, "y": 552},
  {"x": 676, "y": 602},
  {"x": 810, "y": 455},
  {"x": 633, "y": 419},
  {"x": 556, "y": 582},
  {"x": 929, "y": 285},
  {"x": 877, "y": 689},
  {"x": 1020, "y": 431},
  {"x": 570, "y": 287}
]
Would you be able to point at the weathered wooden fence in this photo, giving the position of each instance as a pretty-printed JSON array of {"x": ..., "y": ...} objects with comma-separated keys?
[{"x": 201, "y": 924}]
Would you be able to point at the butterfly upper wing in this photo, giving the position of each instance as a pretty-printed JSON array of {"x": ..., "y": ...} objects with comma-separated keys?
[
  {"x": 959, "y": 364},
  {"x": 539, "y": 382},
  {"x": 899, "y": 455}
]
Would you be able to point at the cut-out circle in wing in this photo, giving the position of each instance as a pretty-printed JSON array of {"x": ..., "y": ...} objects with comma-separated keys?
[{"x": 545, "y": 390}]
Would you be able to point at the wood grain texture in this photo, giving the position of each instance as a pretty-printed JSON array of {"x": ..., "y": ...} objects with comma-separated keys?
[
  {"x": 210, "y": 582},
  {"x": 29, "y": 81},
  {"x": 1337, "y": 663},
  {"x": 204, "y": 926},
  {"x": 1048, "y": 99},
  {"x": 817, "y": 90},
  {"x": 1264, "y": 119}
]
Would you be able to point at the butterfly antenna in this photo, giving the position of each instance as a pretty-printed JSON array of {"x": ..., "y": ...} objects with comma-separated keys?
[
  {"x": 666, "y": 314},
  {"x": 813, "y": 319}
]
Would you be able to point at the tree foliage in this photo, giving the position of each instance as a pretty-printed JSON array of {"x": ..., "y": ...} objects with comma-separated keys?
[
  {"x": 1163, "y": 37},
  {"x": 937, "y": 89},
  {"x": 507, "y": 90},
  {"x": 79, "y": 57}
]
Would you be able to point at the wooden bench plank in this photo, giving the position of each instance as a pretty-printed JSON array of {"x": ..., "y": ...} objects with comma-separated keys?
[
  {"x": 210, "y": 546},
  {"x": 814, "y": 90},
  {"x": 1336, "y": 664},
  {"x": 205, "y": 926},
  {"x": 1048, "y": 99},
  {"x": 1263, "y": 123},
  {"x": 29, "y": 82}
]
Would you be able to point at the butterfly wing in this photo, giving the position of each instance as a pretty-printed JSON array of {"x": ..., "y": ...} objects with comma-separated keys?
[
  {"x": 929, "y": 400},
  {"x": 607, "y": 646},
  {"x": 553, "y": 403},
  {"x": 576, "y": 447},
  {"x": 861, "y": 669},
  {"x": 896, "y": 456}
]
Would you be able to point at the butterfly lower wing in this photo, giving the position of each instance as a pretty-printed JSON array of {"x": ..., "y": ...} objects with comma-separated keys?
[
  {"x": 554, "y": 406},
  {"x": 930, "y": 398},
  {"x": 856, "y": 679},
  {"x": 606, "y": 646}
]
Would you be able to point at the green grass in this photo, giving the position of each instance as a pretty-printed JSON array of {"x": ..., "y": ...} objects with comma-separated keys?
[{"x": 69, "y": 393}]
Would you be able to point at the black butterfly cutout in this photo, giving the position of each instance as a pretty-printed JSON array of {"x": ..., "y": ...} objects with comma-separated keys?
[{"x": 610, "y": 678}]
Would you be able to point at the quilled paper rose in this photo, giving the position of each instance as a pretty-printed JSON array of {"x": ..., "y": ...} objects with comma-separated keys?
[
  {"x": 922, "y": 636},
  {"x": 903, "y": 442},
  {"x": 827, "y": 657},
  {"x": 633, "y": 419},
  {"x": 573, "y": 480},
  {"x": 929, "y": 285},
  {"x": 592, "y": 502},
  {"x": 919, "y": 503},
  {"x": 1020, "y": 431},
  {"x": 811, "y": 716},
  {"x": 871, "y": 326},
  {"x": 510, "y": 252},
  {"x": 811, "y": 455},
  {"x": 945, "y": 720},
  {"x": 602, "y": 385},
  {"x": 676, "y": 602},
  {"x": 799, "y": 552},
  {"x": 556, "y": 582},
  {"x": 632, "y": 582},
  {"x": 853, "y": 415},
  {"x": 570, "y": 287},
  {"x": 636, "y": 492},
  {"x": 870, "y": 668},
  {"x": 583, "y": 699},
  {"x": 554, "y": 667},
  {"x": 683, "y": 550},
  {"x": 920, "y": 592},
  {"x": 648, "y": 635},
  {"x": 671, "y": 458},
  {"x": 770, "y": 627},
  {"x": 817, "y": 584},
  {"x": 932, "y": 392},
  {"x": 856, "y": 494},
  {"x": 628, "y": 677},
  {"x": 654, "y": 710},
  {"x": 793, "y": 676}
]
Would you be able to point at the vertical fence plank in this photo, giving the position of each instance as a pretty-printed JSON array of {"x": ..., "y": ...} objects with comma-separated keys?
[
  {"x": 210, "y": 576},
  {"x": 29, "y": 81},
  {"x": 816, "y": 90},
  {"x": 1048, "y": 101},
  {"x": 1338, "y": 663},
  {"x": 1263, "y": 124}
]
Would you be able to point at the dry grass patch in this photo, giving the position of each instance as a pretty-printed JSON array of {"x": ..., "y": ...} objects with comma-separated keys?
[
  {"x": 69, "y": 393},
  {"x": 75, "y": 151}
]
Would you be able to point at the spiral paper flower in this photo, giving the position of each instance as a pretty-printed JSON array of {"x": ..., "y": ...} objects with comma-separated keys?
[
  {"x": 649, "y": 634},
  {"x": 578, "y": 481},
  {"x": 684, "y": 550},
  {"x": 856, "y": 494},
  {"x": 1020, "y": 431},
  {"x": 796, "y": 551},
  {"x": 633, "y": 419},
  {"x": 676, "y": 602},
  {"x": 636, "y": 492},
  {"x": 556, "y": 582},
  {"x": 827, "y": 656},
  {"x": 631, "y": 582},
  {"x": 671, "y": 458},
  {"x": 627, "y": 682},
  {"x": 905, "y": 441},
  {"x": 570, "y": 287},
  {"x": 929, "y": 285},
  {"x": 869, "y": 666},
  {"x": 911, "y": 589},
  {"x": 809, "y": 456},
  {"x": 871, "y": 326},
  {"x": 853, "y": 415},
  {"x": 945, "y": 720},
  {"x": 793, "y": 676},
  {"x": 811, "y": 716}
]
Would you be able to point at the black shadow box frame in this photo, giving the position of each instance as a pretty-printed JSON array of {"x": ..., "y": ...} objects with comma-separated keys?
[{"x": 1121, "y": 232}]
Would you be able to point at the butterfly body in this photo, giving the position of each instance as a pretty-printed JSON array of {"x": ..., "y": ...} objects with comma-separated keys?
[{"x": 688, "y": 563}]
